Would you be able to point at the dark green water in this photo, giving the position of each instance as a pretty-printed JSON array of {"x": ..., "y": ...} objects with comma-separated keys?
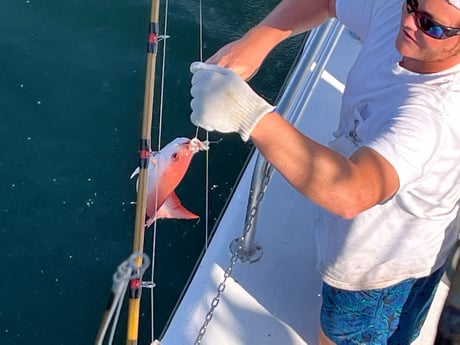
[{"x": 71, "y": 98}]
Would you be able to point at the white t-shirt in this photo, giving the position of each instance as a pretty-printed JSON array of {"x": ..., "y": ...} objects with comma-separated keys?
[{"x": 413, "y": 120}]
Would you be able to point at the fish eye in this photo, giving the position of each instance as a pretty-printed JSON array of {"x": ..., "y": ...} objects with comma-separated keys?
[{"x": 175, "y": 156}]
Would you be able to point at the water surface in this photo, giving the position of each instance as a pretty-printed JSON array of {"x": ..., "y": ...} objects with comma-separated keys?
[{"x": 71, "y": 98}]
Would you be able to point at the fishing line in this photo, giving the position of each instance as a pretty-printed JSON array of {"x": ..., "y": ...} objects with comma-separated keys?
[
  {"x": 200, "y": 26},
  {"x": 206, "y": 239},
  {"x": 160, "y": 126},
  {"x": 207, "y": 198},
  {"x": 201, "y": 31}
]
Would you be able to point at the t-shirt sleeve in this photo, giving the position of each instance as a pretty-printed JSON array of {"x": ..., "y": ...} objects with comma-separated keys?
[
  {"x": 409, "y": 141},
  {"x": 358, "y": 15}
]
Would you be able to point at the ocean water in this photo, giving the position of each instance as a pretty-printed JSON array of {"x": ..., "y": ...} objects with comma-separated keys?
[{"x": 71, "y": 98}]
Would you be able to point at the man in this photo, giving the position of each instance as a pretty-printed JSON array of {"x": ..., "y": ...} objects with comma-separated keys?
[{"x": 389, "y": 184}]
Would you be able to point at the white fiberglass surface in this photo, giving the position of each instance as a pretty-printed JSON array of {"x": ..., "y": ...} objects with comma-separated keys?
[{"x": 275, "y": 300}]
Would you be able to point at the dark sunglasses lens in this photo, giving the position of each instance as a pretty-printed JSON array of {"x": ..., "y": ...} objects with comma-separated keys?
[
  {"x": 432, "y": 29},
  {"x": 410, "y": 6}
]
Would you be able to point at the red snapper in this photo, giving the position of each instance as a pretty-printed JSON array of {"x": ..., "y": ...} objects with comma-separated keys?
[{"x": 166, "y": 169}]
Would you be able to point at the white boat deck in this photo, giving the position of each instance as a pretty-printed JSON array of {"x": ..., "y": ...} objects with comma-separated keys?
[{"x": 277, "y": 299}]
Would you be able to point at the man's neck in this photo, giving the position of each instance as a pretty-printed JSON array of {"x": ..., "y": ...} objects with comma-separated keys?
[{"x": 424, "y": 67}]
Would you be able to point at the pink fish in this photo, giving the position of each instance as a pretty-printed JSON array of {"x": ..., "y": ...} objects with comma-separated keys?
[{"x": 166, "y": 169}]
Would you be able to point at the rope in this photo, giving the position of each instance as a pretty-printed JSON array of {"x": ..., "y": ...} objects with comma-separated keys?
[{"x": 126, "y": 271}]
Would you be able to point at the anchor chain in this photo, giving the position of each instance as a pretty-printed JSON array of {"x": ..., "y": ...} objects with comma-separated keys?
[{"x": 234, "y": 258}]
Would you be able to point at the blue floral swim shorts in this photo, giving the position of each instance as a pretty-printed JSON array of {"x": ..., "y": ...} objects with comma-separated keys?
[{"x": 392, "y": 315}]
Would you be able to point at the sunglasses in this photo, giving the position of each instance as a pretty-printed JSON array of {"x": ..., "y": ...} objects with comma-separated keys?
[{"x": 427, "y": 25}]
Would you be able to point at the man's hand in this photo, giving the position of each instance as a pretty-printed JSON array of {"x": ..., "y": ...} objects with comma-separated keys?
[
  {"x": 222, "y": 101},
  {"x": 243, "y": 56}
]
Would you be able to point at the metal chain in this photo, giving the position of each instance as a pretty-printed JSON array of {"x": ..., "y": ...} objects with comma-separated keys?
[{"x": 234, "y": 258}]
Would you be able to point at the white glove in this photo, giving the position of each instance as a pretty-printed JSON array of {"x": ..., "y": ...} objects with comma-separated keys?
[{"x": 223, "y": 101}]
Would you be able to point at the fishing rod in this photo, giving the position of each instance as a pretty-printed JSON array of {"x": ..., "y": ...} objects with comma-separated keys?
[
  {"x": 135, "y": 285},
  {"x": 135, "y": 267},
  {"x": 129, "y": 273}
]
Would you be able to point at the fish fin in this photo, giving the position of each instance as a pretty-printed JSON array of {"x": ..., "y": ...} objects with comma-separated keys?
[
  {"x": 172, "y": 208},
  {"x": 149, "y": 221},
  {"x": 135, "y": 172}
]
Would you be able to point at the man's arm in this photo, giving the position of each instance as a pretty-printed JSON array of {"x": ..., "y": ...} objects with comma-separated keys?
[
  {"x": 343, "y": 186},
  {"x": 222, "y": 101},
  {"x": 289, "y": 18}
]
